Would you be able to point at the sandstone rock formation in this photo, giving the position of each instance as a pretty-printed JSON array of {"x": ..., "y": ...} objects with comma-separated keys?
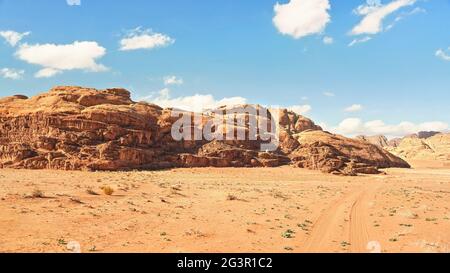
[
  {"x": 433, "y": 147},
  {"x": 340, "y": 155},
  {"x": 394, "y": 142},
  {"x": 379, "y": 140},
  {"x": 75, "y": 128}
]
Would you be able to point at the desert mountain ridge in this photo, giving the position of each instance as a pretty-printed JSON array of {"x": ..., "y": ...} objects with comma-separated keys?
[
  {"x": 429, "y": 146},
  {"x": 77, "y": 128}
]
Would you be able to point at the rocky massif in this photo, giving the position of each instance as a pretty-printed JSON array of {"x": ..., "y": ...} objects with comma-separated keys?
[
  {"x": 434, "y": 147},
  {"x": 75, "y": 128},
  {"x": 423, "y": 146}
]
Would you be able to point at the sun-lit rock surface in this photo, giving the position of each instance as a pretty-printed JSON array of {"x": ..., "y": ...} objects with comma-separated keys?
[{"x": 76, "y": 128}]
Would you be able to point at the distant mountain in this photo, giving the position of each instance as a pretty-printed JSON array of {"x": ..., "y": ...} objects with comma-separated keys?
[
  {"x": 423, "y": 146},
  {"x": 427, "y": 146}
]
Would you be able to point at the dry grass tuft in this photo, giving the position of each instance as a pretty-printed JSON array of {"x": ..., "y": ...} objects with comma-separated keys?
[
  {"x": 107, "y": 190},
  {"x": 231, "y": 197},
  {"x": 91, "y": 192},
  {"x": 37, "y": 194}
]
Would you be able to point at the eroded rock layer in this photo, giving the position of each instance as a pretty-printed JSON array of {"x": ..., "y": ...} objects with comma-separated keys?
[{"x": 75, "y": 128}]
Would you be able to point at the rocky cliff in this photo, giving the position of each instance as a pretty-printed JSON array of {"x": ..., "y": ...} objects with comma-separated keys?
[
  {"x": 379, "y": 140},
  {"x": 75, "y": 128},
  {"x": 423, "y": 146}
]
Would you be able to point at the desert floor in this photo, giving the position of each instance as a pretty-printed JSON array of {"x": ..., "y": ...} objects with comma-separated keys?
[{"x": 225, "y": 210}]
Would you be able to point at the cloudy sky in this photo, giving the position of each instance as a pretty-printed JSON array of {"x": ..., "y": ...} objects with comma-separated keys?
[{"x": 354, "y": 66}]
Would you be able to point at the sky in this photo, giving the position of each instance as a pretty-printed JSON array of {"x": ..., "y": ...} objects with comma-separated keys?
[{"x": 355, "y": 66}]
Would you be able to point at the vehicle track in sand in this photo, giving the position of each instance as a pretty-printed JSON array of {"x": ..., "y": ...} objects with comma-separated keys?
[{"x": 350, "y": 213}]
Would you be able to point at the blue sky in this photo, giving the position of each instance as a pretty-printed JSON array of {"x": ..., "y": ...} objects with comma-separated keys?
[{"x": 295, "y": 54}]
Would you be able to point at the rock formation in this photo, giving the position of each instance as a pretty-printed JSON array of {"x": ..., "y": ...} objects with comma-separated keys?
[
  {"x": 75, "y": 128},
  {"x": 379, "y": 140},
  {"x": 424, "y": 146}
]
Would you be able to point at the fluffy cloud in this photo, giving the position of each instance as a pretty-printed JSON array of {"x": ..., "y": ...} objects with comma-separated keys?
[
  {"x": 57, "y": 58},
  {"x": 354, "y": 108},
  {"x": 73, "y": 2},
  {"x": 13, "y": 74},
  {"x": 200, "y": 103},
  {"x": 374, "y": 13},
  {"x": 328, "y": 40},
  {"x": 300, "y": 109},
  {"x": 172, "y": 80},
  {"x": 144, "y": 39},
  {"x": 12, "y": 37},
  {"x": 359, "y": 41},
  {"x": 443, "y": 55},
  {"x": 300, "y": 18},
  {"x": 47, "y": 73},
  {"x": 355, "y": 126},
  {"x": 195, "y": 103}
]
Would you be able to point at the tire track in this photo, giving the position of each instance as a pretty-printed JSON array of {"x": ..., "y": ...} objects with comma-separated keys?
[
  {"x": 358, "y": 232},
  {"x": 355, "y": 208},
  {"x": 321, "y": 236}
]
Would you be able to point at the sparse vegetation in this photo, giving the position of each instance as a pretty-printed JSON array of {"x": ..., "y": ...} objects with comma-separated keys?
[
  {"x": 37, "y": 194},
  {"x": 305, "y": 226},
  {"x": 231, "y": 197},
  {"x": 107, "y": 190},
  {"x": 91, "y": 192},
  {"x": 288, "y": 234},
  {"x": 76, "y": 200},
  {"x": 62, "y": 242}
]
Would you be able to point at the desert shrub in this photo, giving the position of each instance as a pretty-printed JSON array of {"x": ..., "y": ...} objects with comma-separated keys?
[
  {"x": 91, "y": 192},
  {"x": 37, "y": 194},
  {"x": 231, "y": 197},
  {"x": 108, "y": 190}
]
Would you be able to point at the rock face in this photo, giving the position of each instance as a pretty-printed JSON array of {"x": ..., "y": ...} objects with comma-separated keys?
[
  {"x": 424, "y": 146},
  {"x": 75, "y": 128},
  {"x": 340, "y": 155},
  {"x": 379, "y": 140}
]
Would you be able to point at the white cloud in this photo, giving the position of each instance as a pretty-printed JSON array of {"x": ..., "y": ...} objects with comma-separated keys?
[
  {"x": 195, "y": 103},
  {"x": 354, "y": 108},
  {"x": 13, "y": 74},
  {"x": 47, "y": 73},
  {"x": 57, "y": 58},
  {"x": 329, "y": 94},
  {"x": 300, "y": 109},
  {"x": 402, "y": 16},
  {"x": 443, "y": 55},
  {"x": 173, "y": 80},
  {"x": 359, "y": 41},
  {"x": 355, "y": 126},
  {"x": 369, "y": 7},
  {"x": 328, "y": 40},
  {"x": 73, "y": 2},
  {"x": 144, "y": 39},
  {"x": 300, "y": 18},
  {"x": 12, "y": 37},
  {"x": 374, "y": 13}
]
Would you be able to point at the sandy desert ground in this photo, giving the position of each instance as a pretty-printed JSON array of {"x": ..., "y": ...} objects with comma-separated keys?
[{"x": 225, "y": 210}]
